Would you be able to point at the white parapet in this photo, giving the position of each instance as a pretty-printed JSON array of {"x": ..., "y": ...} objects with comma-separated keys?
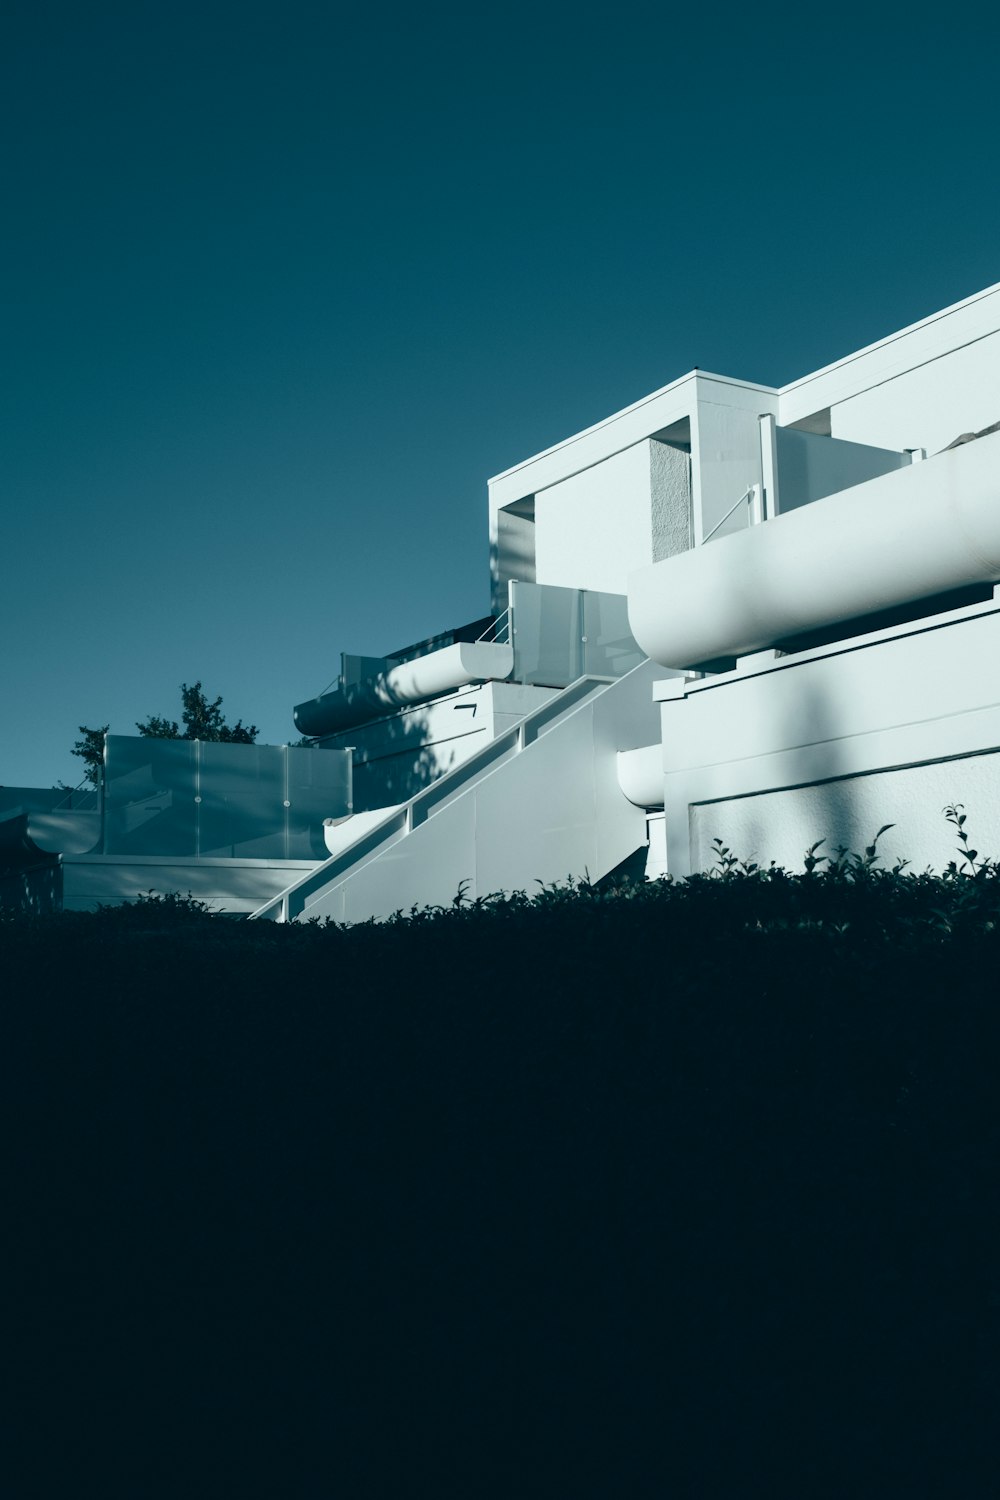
[
  {"x": 416, "y": 681},
  {"x": 914, "y": 534},
  {"x": 340, "y": 833},
  {"x": 640, "y": 775},
  {"x": 443, "y": 671}
]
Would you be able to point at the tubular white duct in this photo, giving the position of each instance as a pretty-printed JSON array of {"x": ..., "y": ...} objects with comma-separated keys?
[
  {"x": 640, "y": 775},
  {"x": 442, "y": 671},
  {"x": 411, "y": 682},
  {"x": 906, "y": 536},
  {"x": 340, "y": 833},
  {"x": 67, "y": 832}
]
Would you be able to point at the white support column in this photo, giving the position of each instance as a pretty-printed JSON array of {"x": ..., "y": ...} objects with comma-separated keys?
[
  {"x": 676, "y": 849},
  {"x": 757, "y": 504},
  {"x": 770, "y": 504}
]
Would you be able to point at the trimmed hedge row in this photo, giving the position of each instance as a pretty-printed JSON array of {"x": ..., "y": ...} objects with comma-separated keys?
[{"x": 681, "y": 1188}]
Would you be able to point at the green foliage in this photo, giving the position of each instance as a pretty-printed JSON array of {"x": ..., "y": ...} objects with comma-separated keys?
[
  {"x": 170, "y": 902},
  {"x": 203, "y": 720},
  {"x": 847, "y": 899},
  {"x": 90, "y": 749},
  {"x": 734, "y": 1136},
  {"x": 968, "y": 855},
  {"x": 156, "y": 728}
]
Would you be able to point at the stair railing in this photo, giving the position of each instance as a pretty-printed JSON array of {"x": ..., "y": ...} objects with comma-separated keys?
[{"x": 289, "y": 903}]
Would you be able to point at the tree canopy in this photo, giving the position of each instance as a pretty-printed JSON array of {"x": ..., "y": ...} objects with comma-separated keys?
[
  {"x": 202, "y": 720},
  {"x": 90, "y": 749}
]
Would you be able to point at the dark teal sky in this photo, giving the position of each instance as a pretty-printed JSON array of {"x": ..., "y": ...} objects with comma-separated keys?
[{"x": 284, "y": 285}]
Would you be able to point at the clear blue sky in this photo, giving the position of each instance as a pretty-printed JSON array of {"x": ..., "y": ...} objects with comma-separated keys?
[{"x": 284, "y": 285}]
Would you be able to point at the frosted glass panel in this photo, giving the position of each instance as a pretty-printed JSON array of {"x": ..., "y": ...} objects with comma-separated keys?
[
  {"x": 211, "y": 801},
  {"x": 242, "y": 802},
  {"x": 548, "y": 645},
  {"x": 149, "y": 792},
  {"x": 609, "y": 649},
  {"x": 319, "y": 786},
  {"x": 560, "y": 634}
]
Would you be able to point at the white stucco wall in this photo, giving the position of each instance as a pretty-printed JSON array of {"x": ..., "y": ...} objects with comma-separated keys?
[
  {"x": 671, "y": 515},
  {"x": 781, "y": 826},
  {"x": 930, "y": 406},
  {"x": 591, "y": 530},
  {"x": 834, "y": 742}
]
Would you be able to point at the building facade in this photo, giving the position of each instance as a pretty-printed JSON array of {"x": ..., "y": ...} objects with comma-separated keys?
[{"x": 730, "y": 611}]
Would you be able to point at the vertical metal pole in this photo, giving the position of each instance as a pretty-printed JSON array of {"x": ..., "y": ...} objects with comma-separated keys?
[
  {"x": 581, "y": 630},
  {"x": 197, "y": 799},
  {"x": 770, "y": 501},
  {"x": 286, "y": 801},
  {"x": 512, "y": 629},
  {"x": 102, "y": 777}
]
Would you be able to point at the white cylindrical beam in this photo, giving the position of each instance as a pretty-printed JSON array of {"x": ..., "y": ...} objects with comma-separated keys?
[
  {"x": 443, "y": 671},
  {"x": 640, "y": 775},
  {"x": 909, "y": 535},
  {"x": 411, "y": 682}
]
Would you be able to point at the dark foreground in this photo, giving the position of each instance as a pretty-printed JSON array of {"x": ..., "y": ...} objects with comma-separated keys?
[{"x": 684, "y": 1195}]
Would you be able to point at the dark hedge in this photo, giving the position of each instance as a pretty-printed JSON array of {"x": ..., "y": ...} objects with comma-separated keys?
[{"x": 673, "y": 1189}]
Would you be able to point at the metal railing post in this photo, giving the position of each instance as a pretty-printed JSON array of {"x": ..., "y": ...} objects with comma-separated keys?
[{"x": 768, "y": 466}]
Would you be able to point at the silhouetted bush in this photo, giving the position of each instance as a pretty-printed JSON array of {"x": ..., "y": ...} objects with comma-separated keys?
[{"x": 677, "y": 1188}]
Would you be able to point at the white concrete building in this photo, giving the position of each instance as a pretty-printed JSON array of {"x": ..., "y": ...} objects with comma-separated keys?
[{"x": 728, "y": 611}]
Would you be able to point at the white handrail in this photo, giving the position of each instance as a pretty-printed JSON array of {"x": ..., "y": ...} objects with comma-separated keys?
[
  {"x": 751, "y": 495},
  {"x": 498, "y": 630},
  {"x": 290, "y": 902}
]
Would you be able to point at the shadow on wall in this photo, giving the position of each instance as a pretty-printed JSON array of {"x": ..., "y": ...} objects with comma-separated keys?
[
  {"x": 844, "y": 799},
  {"x": 400, "y": 762},
  {"x": 30, "y": 878},
  {"x": 784, "y": 826},
  {"x": 828, "y": 801},
  {"x": 512, "y": 554}
]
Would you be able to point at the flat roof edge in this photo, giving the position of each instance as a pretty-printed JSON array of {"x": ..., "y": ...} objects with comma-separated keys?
[
  {"x": 890, "y": 338},
  {"x": 729, "y": 380},
  {"x": 625, "y": 411}
]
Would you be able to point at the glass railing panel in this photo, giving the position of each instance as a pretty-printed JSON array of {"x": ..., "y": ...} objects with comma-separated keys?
[
  {"x": 547, "y": 635},
  {"x": 318, "y": 787},
  {"x": 149, "y": 796},
  {"x": 242, "y": 808},
  {"x": 219, "y": 801},
  {"x": 609, "y": 649},
  {"x": 812, "y": 466}
]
